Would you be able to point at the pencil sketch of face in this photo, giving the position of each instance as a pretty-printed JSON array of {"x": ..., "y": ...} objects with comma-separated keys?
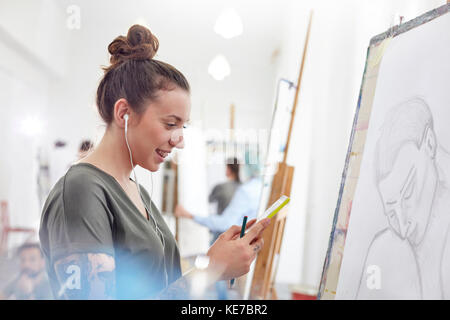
[{"x": 406, "y": 173}]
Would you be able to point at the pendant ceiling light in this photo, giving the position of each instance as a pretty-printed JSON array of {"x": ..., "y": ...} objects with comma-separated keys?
[
  {"x": 31, "y": 126},
  {"x": 219, "y": 68},
  {"x": 229, "y": 24}
]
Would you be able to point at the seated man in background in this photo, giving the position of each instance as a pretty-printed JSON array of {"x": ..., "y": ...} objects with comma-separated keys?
[{"x": 32, "y": 282}]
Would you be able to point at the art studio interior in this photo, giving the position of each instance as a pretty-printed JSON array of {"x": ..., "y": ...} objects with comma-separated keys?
[{"x": 142, "y": 139}]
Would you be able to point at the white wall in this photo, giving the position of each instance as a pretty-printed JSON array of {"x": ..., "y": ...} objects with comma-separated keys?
[
  {"x": 18, "y": 172},
  {"x": 339, "y": 38},
  {"x": 26, "y": 72}
]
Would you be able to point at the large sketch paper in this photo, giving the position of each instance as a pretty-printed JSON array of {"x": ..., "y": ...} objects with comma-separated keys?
[{"x": 396, "y": 245}]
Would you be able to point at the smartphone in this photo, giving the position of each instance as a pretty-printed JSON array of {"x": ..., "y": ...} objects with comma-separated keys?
[
  {"x": 275, "y": 208},
  {"x": 272, "y": 210}
]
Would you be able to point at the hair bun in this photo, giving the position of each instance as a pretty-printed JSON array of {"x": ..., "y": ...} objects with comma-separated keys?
[{"x": 139, "y": 44}]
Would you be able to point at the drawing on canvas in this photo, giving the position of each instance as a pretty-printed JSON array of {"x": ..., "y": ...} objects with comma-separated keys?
[{"x": 411, "y": 254}]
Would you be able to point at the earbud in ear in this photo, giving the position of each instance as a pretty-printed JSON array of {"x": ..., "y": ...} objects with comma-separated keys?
[{"x": 125, "y": 117}]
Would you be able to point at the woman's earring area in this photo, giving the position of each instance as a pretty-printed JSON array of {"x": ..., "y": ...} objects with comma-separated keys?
[{"x": 125, "y": 117}]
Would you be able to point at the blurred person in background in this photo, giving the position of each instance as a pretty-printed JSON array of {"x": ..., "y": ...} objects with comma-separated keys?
[
  {"x": 222, "y": 193},
  {"x": 32, "y": 282},
  {"x": 244, "y": 202},
  {"x": 85, "y": 148}
]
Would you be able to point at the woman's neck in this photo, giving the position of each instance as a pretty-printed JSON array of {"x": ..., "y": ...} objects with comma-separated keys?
[{"x": 111, "y": 155}]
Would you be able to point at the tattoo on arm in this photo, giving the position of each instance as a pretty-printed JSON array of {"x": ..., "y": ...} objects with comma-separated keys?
[{"x": 86, "y": 276}]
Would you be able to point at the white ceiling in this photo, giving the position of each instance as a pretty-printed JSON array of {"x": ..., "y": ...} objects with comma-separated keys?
[
  {"x": 188, "y": 41},
  {"x": 185, "y": 28},
  {"x": 37, "y": 30}
]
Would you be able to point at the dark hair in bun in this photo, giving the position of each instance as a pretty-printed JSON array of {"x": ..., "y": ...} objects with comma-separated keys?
[
  {"x": 134, "y": 74},
  {"x": 139, "y": 44}
]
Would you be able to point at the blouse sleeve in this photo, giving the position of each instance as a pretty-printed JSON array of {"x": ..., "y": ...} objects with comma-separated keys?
[{"x": 82, "y": 222}]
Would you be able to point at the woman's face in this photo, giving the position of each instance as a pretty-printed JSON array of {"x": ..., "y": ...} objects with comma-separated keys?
[{"x": 160, "y": 128}]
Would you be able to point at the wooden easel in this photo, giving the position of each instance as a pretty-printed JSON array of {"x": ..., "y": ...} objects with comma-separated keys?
[
  {"x": 263, "y": 276},
  {"x": 232, "y": 121}
]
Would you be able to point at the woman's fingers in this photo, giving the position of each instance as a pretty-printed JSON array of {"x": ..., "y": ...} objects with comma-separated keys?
[
  {"x": 179, "y": 210},
  {"x": 256, "y": 230},
  {"x": 250, "y": 224},
  {"x": 247, "y": 226},
  {"x": 233, "y": 256},
  {"x": 257, "y": 246},
  {"x": 231, "y": 233},
  {"x": 237, "y": 230}
]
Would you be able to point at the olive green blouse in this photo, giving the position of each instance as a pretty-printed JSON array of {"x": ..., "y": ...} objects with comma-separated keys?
[{"x": 87, "y": 211}]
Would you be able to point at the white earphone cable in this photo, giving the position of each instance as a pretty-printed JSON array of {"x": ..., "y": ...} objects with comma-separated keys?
[{"x": 140, "y": 194}]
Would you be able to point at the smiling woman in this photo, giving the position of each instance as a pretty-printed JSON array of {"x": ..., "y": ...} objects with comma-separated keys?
[{"x": 101, "y": 234}]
